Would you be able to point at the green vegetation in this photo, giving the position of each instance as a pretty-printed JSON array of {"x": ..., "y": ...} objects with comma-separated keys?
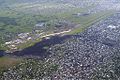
[
  {"x": 34, "y": 68},
  {"x": 13, "y": 22},
  {"x": 82, "y": 21},
  {"x": 89, "y": 20},
  {"x": 7, "y": 62},
  {"x": 20, "y": 17},
  {"x": 29, "y": 44}
]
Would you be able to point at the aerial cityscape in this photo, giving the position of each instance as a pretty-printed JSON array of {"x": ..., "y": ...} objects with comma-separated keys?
[{"x": 59, "y": 40}]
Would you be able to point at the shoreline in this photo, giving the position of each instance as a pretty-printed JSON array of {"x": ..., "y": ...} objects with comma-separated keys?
[{"x": 42, "y": 38}]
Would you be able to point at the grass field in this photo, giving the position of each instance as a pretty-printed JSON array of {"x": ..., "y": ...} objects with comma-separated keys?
[
  {"x": 20, "y": 18},
  {"x": 93, "y": 19},
  {"x": 8, "y": 62}
]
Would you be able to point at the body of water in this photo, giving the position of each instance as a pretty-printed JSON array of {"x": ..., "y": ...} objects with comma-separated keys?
[{"x": 40, "y": 48}]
